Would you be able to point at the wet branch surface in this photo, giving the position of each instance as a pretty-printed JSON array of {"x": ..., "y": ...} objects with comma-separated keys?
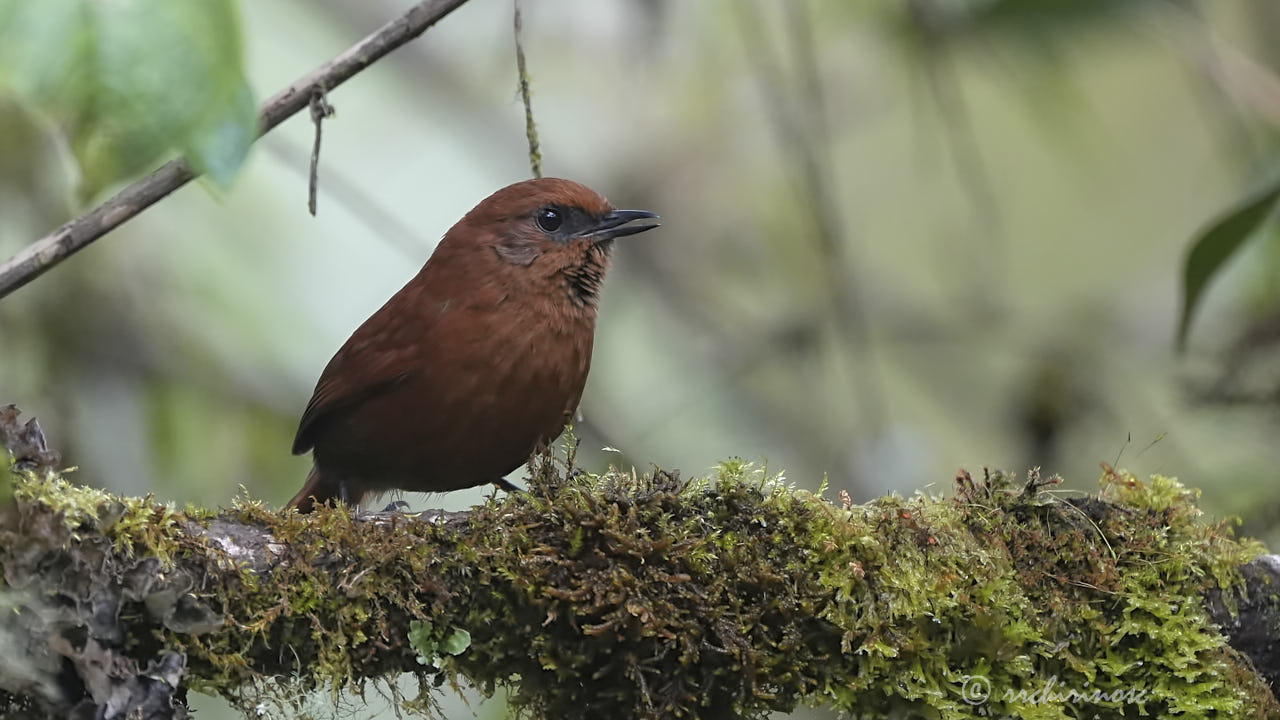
[{"x": 43, "y": 254}]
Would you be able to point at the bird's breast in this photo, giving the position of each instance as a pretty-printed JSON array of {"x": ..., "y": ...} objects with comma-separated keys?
[{"x": 493, "y": 387}]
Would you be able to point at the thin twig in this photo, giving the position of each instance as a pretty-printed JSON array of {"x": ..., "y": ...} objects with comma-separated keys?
[
  {"x": 320, "y": 109},
  {"x": 41, "y": 255},
  {"x": 530, "y": 129}
]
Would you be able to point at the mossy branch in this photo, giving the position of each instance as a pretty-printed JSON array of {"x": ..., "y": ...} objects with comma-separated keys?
[{"x": 624, "y": 596}]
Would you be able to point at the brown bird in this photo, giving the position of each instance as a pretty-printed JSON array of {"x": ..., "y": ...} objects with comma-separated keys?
[{"x": 478, "y": 361}]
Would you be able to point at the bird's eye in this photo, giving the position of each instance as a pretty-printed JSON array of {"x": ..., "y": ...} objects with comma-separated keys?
[{"x": 549, "y": 219}]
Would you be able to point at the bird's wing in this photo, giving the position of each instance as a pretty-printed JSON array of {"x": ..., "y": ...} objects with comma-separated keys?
[
  {"x": 336, "y": 392},
  {"x": 378, "y": 357}
]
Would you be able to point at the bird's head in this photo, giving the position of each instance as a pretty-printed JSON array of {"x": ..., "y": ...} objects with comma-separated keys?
[{"x": 548, "y": 230}]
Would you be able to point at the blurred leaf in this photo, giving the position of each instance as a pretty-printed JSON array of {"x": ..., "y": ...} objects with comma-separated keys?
[
  {"x": 128, "y": 80},
  {"x": 220, "y": 144},
  {"x": 1216, "y": 244},
  {"x": 44, "y": 51}
]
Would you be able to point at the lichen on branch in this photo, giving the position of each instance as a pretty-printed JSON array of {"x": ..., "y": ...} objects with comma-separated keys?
[{"x": 621, "y": 595}]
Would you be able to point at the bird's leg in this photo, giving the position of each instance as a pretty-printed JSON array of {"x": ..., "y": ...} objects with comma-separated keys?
[
  {"x": 505, "y": 484},
  {"x": 352, "y": 492},
  {"x": 396, "y": 506},
  {"x": 348, "y": 496}
]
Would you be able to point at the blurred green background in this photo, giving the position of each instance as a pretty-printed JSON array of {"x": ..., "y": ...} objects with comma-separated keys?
[{"x": 898, "y": 238}]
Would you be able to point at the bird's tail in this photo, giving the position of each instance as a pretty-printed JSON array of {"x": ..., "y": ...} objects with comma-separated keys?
[{"x": 319, "y": 489}]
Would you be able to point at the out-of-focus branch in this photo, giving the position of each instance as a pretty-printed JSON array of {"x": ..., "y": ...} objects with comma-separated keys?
[
  {"x": 379, "y": 220},
  {"x": 801, "y": 127},
  {"x": 48, "y": 251},
  {"x": 944, "y": 86}
]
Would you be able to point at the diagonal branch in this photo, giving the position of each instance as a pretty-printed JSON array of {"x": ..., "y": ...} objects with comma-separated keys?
[{"x": 41, "y": 255}]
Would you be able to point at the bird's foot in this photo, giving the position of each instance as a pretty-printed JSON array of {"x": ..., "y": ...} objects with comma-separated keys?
[{"x": 390, "y": 513}]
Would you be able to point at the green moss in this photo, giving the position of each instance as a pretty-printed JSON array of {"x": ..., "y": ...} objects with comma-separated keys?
[
  {"x": 136, "y": 526},
  {"x": 752, "y": 596},
  {"x": 733, "y": 595},
  {"x": 6, "y": 476}
]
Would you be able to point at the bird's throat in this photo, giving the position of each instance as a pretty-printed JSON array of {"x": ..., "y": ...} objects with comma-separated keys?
[{"x": 584, "y": 280}]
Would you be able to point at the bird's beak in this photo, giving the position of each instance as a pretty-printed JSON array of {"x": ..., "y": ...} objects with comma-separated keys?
[{"x": 614, "y": 225}]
